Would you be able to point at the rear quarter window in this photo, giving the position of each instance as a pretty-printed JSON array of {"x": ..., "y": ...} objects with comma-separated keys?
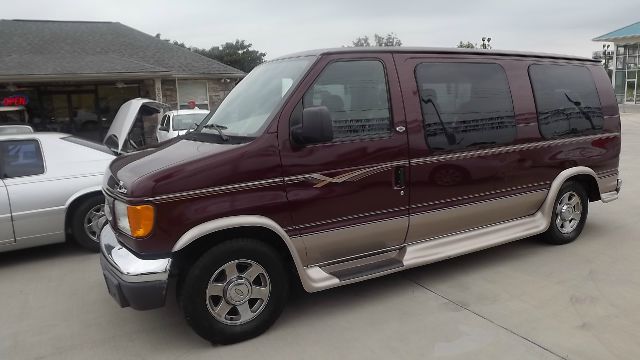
[{"x": 567, "y": 101}]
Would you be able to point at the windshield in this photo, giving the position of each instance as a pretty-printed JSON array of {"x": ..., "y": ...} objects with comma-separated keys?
[
  {"x": 245, "y": 111},
  {"x": 186, "y": 121}
]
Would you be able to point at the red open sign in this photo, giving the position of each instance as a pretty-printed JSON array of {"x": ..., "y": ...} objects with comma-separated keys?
[{"x": 15, "y": 100}]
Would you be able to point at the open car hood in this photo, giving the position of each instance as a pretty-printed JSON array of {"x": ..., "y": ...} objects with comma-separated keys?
[{"x": 125, "y": 118}]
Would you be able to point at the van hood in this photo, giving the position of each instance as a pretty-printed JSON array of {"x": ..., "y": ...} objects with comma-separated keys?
[
  {"x": 124, "y": 119},
  {"x": 167, "y": 167}
]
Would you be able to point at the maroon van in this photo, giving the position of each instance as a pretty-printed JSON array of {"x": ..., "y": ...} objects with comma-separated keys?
[{"x": 329, "y": 167}]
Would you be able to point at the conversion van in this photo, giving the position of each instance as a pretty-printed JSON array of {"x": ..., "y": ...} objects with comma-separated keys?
[{"x": 330, "y": 167}]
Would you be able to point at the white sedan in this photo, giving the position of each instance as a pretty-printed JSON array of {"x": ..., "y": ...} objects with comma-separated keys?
[
  {"x": 178, "y": 122},
  {"x": 51, "y": 183},
  {"x": 50, "y": 187}
]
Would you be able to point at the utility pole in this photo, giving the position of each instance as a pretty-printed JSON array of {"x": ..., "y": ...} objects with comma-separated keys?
[
  {"x": 486, "y": 43},
  {"x": 607, "y": 55}
]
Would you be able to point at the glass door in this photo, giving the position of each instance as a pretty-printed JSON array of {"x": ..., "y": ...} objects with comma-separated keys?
[
  {"x": 60, "y": 120},
  {"x": 83, "y": 112},
  {"x": 630, "y": 92}
]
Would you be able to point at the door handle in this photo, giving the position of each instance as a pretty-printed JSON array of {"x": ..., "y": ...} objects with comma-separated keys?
[{"x": 399, "y": 177}]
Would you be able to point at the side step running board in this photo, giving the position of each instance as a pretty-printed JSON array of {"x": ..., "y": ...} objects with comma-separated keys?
[{"x": 367, "y": 269}]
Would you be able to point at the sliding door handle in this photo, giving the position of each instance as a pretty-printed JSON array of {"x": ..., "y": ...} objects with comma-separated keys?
[{"x": 399, "y": 177}]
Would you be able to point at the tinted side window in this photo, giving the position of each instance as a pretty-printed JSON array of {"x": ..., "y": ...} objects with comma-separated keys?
[
  {"x": 567, "y": 101},
  {"x": 21, "y": 158},
  {"x": 465, "y": 105},
  {"x": 355, "y": 92}
]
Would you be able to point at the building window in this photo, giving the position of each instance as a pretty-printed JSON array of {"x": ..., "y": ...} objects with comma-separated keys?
[
  {"x": 193, "y": 92},
  {"x": 355, "y": 92},
  {"x": 111, "y": 97},
  {"x": 566, "y": 99},
  {"x": 465, "y": 105}
]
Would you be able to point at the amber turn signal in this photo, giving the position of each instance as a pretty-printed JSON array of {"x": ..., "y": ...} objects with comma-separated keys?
[{"x": 141, "y": 219}]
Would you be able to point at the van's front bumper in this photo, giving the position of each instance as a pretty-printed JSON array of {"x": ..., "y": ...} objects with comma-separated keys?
[{"x": 131, "y": 281}]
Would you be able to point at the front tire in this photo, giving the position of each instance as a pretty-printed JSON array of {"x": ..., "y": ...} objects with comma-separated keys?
[
  {"x": 569, "y": 214},
  {"x": 235, "y": 291}
]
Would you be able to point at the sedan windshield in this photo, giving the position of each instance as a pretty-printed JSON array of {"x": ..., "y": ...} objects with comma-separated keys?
[
  {"x": 245, "y": 111},
  {"x": 187, "y": 121}
]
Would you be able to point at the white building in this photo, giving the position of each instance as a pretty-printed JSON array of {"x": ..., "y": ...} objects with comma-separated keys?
[{"x": 625, "y": 77}]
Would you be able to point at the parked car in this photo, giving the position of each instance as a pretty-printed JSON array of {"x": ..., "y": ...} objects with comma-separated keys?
[
  {"x": 178, "y": 122},
  {"x": 134, "y": 125},
  {"x": 50, "y": 190},
  {"x": 51, "y": 183},
  {"x": 13, "y": 115},
  {"x": 318, "y": 168},
  {"x": 15, "y": 129}
]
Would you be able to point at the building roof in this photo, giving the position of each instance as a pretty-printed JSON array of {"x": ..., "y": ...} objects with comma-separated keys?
[
  {"x": 32, "y": 48},
  {"x": 434, "y": 50},
  {"x": 632, "y": 30}
]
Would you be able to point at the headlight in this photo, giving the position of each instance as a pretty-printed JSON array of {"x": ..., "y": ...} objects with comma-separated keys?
[{"x": 135, "y": 220}]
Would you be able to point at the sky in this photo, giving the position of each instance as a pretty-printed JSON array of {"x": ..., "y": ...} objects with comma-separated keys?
[{"x": 278, "y": 27}]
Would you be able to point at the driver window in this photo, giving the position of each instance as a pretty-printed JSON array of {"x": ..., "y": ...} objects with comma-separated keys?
[{"x": 356, "y": 95}]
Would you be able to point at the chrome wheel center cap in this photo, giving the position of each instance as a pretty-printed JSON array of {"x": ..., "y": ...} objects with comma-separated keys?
[
  {"x": 238, "y": 291},
  {"x": 566, "y": 213}
]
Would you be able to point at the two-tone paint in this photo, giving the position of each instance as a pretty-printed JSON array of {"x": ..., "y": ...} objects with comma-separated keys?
[{"x": 337, "y": 205}]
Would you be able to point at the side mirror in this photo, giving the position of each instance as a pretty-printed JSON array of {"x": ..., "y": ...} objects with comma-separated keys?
[{"x": 316, "y": 127}]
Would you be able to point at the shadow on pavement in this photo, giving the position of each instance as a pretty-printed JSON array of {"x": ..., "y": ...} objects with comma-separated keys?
[{"x": 43, "y": 253}]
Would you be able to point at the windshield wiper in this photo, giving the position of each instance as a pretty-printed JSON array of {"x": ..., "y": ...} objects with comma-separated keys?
[{"x": 218, "y": 128}]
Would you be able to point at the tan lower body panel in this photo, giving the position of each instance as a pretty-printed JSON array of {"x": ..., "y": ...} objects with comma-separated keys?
[
  {"x": 353, "y": 240},
  {"x": 425, "y": 250},
  {"x": 455, "y": 219}
]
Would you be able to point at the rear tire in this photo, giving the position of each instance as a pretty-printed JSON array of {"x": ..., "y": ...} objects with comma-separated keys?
[
  {"x": 235, "y": 291},
  {"x": 87, "y": 221},
  {"x": 569, "y": 214}
]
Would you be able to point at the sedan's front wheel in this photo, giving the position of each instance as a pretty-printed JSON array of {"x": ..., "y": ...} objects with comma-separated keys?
[
  {"x": 235, "y": 291},
  {"x": 87, "y": 221}
]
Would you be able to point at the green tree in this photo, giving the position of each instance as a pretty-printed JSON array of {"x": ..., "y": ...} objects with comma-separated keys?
[
  {"x": 390, "y": 39},
  {"x": 466, "y": 45},
  {"x": 238, "y": 54},
  {"x": 486, "y": 44},
  {"x": 362, "y": 41}
]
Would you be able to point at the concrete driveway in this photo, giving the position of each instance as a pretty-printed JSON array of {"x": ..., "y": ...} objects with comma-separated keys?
[{"x": 524, "y": 300}]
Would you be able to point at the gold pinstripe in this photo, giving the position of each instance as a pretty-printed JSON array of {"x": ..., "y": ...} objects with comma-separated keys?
[{"x": 361, "y": 172}]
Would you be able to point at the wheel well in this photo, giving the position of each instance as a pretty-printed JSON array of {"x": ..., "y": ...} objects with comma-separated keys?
[
  {"x": 74, "y": 205},
  {"x": 590, "y": 185},
  {"x": 184, "y": 258}
]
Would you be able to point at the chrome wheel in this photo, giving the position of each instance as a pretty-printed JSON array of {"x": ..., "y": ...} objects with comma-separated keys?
[
  {"x": 94, "y": 219},
  {"x": 238, "y": 292},
  {"x": 568, "y": 212}
]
